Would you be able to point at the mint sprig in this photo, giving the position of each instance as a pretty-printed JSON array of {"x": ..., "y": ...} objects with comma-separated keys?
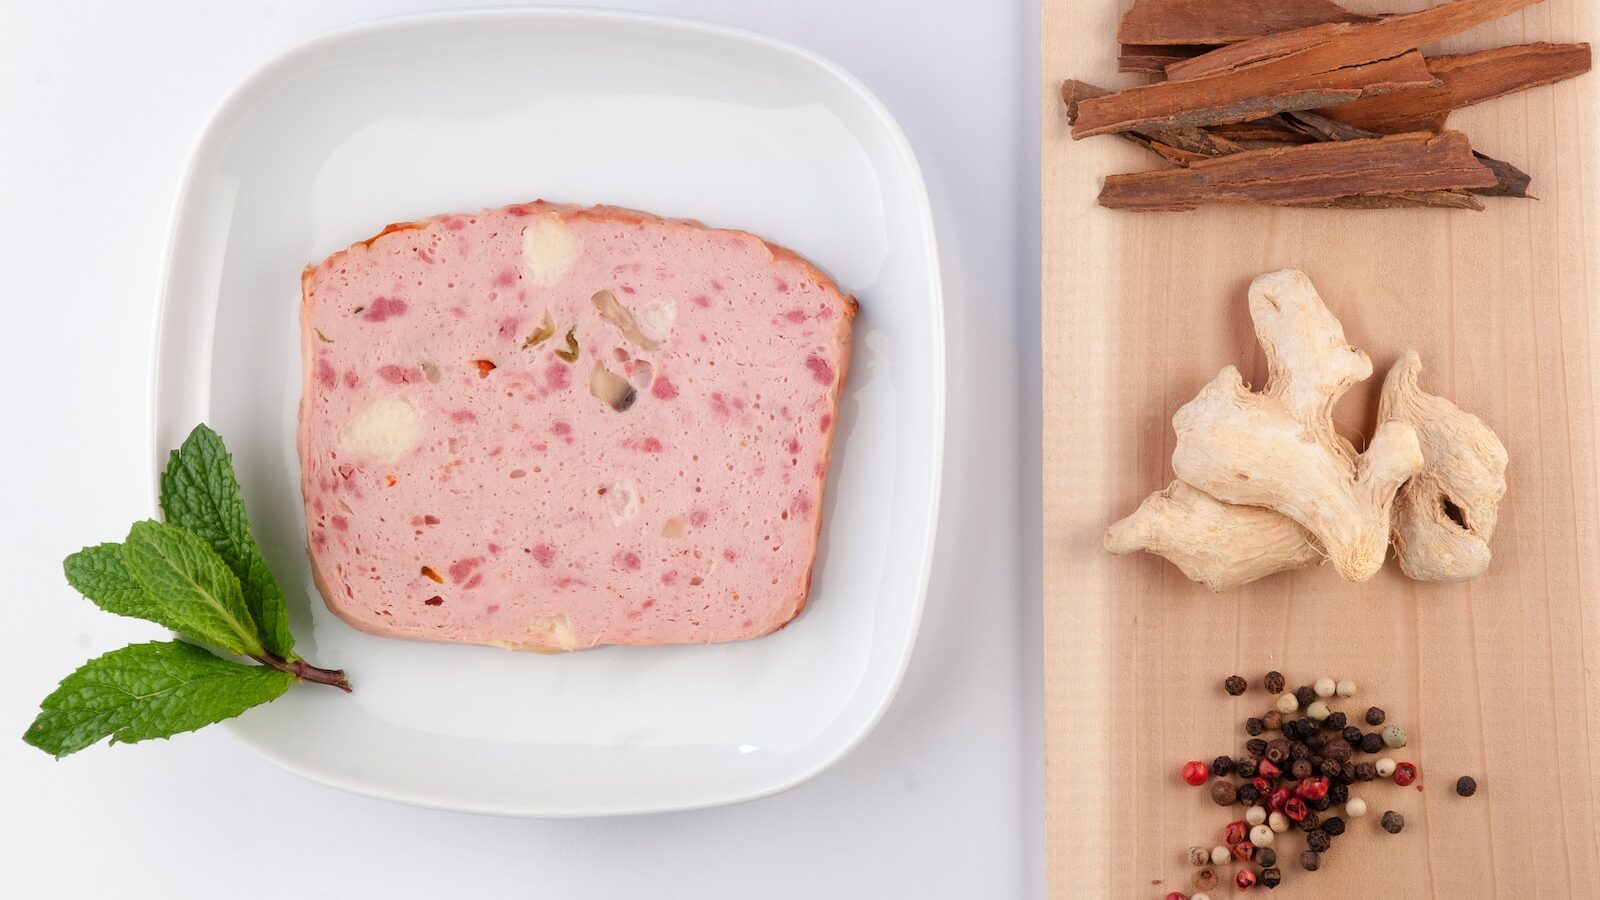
[{"x": 200, "y": 574}]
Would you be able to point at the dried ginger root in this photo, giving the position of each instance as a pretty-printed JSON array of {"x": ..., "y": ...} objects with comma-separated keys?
[
  {"x": 1219, "y": 545},
  {"x": 1279, "y": 449},
  {"x": 1446, "y": 514}
]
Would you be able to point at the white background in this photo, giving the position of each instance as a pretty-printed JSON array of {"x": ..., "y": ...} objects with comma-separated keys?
[{"x": 100, "y": 104}]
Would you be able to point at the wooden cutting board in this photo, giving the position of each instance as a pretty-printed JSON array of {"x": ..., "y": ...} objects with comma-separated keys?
[{"x": 1499, "y": 678}]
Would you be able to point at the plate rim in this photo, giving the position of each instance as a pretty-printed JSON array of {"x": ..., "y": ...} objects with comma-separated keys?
[{"x": 161, "y": 360}]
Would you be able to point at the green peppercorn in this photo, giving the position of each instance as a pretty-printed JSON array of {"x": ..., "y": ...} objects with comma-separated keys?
[
  {"x": 1466, "y": 786},
  {"x": 1394, "y": 737},
  {"x": 1393, "y": 822},
  {"x": 1235, "y": 685}
]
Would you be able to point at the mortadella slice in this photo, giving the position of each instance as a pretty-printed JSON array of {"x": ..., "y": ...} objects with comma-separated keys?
[{"x": 547, "y": 427}]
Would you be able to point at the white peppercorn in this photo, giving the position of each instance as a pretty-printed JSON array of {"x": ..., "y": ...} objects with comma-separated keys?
[
  {"x": 1324, "y": 687},
  {"x": 1318, "y": 710},
  {"x": 1220, "y": 855},
  {"x": 1355, "y": 807},
  {"x": 1278, "y": 822},
  {"x": 1385, "y": 767},
  {"x": 1200, "y": 896},
  {"x": 1287, "y": 703},
  {"x": 1255, "y": 815},
  {"x": 1345, "y": 688},
  {"x": 1261, "y": 836}
]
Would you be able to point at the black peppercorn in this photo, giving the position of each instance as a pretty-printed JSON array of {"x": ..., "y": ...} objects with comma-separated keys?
[
  {"x": 1277, "y": 750},
  {"x": 1333, "y": 825},
  {"x": 1222, "y": 765},
  {"x": 1366, "y": 771},
  {"x": 1248, "y": 795},
  {"x": 1374, "y": 715},
  {"x": 1270, "y": 878},
  {"x": 1316, "y": 740},
  {"x": 1310, "y": 860},
  {"x": 1339, "y": 793},
  {"x": 1351, "y": 735},
  {"x": 1311, "y": 822},
  {"x": 1274, "y": 682},
  {"x": 1349, "y": 773},
  {"x": 1235, "y": 685},
  {"x": 1466, "y": 786},
  {"x": 1372, "y": 742},
  {"x": 1266, "y": 857},
  {"x": 1291, "y": 729},
  {"x": 1272, "y": 720},
  {"x": 1245, "y": 766},
  {"x": 1298, "y": 750},
  {"x": 1255, "y": 747},
  {"x": 1300, "y": 769},
  {"x": 1331, "y": 768},
  {"x": 1305, "y": 694},
  {"x": 1393, "y": 822},
  {"x": 1320, "y": 804},
  {"x": 1318, "y": 840},
  {"x": 1224, "y": 793},
  {"x": 1335, "y": 721},
  {"x": 1337, "y": 750},
  {"x": 1254, "y": 726}
]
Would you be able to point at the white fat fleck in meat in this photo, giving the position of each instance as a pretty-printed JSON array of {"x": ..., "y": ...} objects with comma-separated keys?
[
  {"x": 554, "y": 632},
  {"x": 622, "y": 501},
  {"x": 387, "y": 428},
  {"x": 656, "y": 320},
  {"x": 549, "y": 250}
]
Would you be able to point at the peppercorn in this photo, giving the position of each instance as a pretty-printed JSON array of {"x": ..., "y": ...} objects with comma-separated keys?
[
  {"x": 1273, "y": 682},
  {"x": 1393, "y": 822},
  {"x": 1394, "y": 737},
  {"x": 1318, "y": 840},
  {"x": 1266, "y": 856},
  {"x": 1311, "y": 822},
  {"x": 1331, "y": 768},
  {"x": 1304, "y": 694},
  {"x": 1176, "y": 895},
  {"x": 1295, "y": 809},
  {"x": 1272, "y": 720},
  {"x": 1375, "y": 715},
  {"x": 1300, "y": 769},
  {"x": 1316, "y": 740},
  {"x": 1249, "y": 794},
  {"x": 1312, "y": 788},
  {"x": 1333, "y": 825},
  {"x": 1222, "y": 765},
  {"x": 1220, "y": 855},
  {"x": 1234, "y": 833},
  {"x": 1271, "y": 878},
  {"x": 1255, "y": 815},
  {"x": 1245, "y": 880},
  {"x": 1337, "y": 750},
  {"x": 1335, "y": 720},
  {"x": 1319, "y": 711},
  {"x": 1262, "y": 836},
  {"x": 1345, "y": 688},
  {"x": 1366, "y": 771},
  {"x": 1254, "y": 726},
  {"x": 1324, "y": 687},
  {"x": 1199, "y": 856},
  {"x": 1201, "y": 895},
  {"x": 1262, "y": 783},
  {"x": 1255, "y": 747},
  {"x": 1224, "y": 793},
  {"x": 1349, "y": 773},
  {"x": 1195, "y": 772},
  {"x": 1277, "y": 750},
  {"x": 1243, "y": 850},
  {"x": 1235, "y": 685},
  {"x": 1245, "y": 766},
  {"x": 1371, "y": 742},
  {"x": 1299, "y": 750},
  {"x": 1404, "y": 773},
  {"x": 1351, "y": 735},
  {"x": 1287, "y": 704},
  {"x": 1205, "y": 878},
  {"x": 1385, "y": 767},
  {"x": 1355, "y": 808},
  {"x": 1339, "y": 793},
  {"x": 1320, "y": 805},
  {"x": 1291, "y": 730},
  {"x": 1310, "y": 860},
  {"x": 1466, "y": 786},
  {"x": 1278, "y": 822}
]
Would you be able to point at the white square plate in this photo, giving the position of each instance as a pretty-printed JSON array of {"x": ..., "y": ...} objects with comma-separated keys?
[{"x": 405, "y": 118}]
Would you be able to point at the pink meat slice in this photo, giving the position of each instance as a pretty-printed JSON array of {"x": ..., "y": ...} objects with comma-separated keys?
[{"x": 472, "y": 475}]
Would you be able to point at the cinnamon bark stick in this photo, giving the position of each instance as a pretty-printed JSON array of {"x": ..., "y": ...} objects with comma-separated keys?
[
  {"x": 1322, "y": 48},
  {"x": 1466, "y": 79},
  {"x": 1223, "y": 21},
  {"x": 1307, "y": 174},
  {"x": 1178, "y": 143},
  {"x": 1153, "y": 59},
  {"x": 1510, "y": 181},
  {"x": 1252, "y": 93}
]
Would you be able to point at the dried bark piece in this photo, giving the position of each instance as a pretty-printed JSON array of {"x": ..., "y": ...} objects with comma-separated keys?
[
  {"x": 1308, "y": 173},
  {"x": 1153, "y": 59},
  {"x": 1223, "y": 21},
  {"x": 1445, "y": 516},
  {"x": 1219, "y": 545},
  {"x": 1279, "y": 449},
  {"x": 1405, "y": 200},
  {"x": 1510, "y": 181},
  {"x": 1272, "y": 130},
  {"x": 1323, "y": 48},
  {"x": 1466, "y": 79},
  {"x": 1178, "y": 143},
  {"x": 1243, "y": 96}
]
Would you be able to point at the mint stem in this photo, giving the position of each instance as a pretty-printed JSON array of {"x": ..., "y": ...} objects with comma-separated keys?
[{"x": 307, "y": 672}]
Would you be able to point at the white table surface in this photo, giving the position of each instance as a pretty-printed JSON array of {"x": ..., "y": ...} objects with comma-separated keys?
[{"x": 100, "y": 104}]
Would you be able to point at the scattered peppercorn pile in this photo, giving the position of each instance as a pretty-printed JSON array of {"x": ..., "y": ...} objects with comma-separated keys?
[{"x": 1299, "y": 780}]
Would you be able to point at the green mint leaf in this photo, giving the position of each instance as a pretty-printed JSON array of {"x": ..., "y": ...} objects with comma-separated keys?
[
  {"x": 200, "y": 492},
  {"x": 99, "y": 574},
  {"x": 197, "y": 593},
  {"x": 145, "y": 691}
]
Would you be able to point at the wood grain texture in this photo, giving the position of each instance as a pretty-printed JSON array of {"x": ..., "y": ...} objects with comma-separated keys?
[{"x": 1498, "y": 678}]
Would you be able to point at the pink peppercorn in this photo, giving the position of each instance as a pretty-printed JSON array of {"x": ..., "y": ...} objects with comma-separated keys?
[
  {"x": 1404, "y": 773},
  {"x": 1313, "y": 788},
  {"x": 1245, "y": 880},
  {"x": 1196, "y": 772},
  {"x": 1235, "y": 832}
]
